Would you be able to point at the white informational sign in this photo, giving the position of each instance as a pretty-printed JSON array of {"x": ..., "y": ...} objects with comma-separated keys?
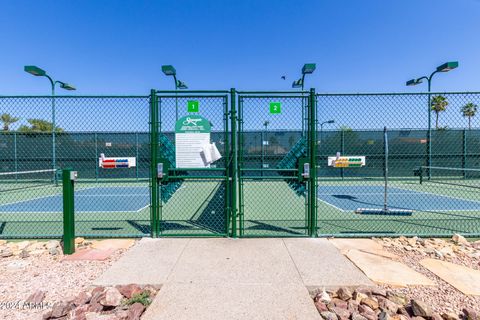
[{"x": 192, "y": 135}]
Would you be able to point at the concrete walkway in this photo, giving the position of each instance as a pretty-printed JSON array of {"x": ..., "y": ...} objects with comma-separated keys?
[{"x": 234, "y": 279}]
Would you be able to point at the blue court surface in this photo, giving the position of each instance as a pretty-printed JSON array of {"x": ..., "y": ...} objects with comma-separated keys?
[
  {"x": 350, "y": 198},
  {"x": 96, "y": 199}
]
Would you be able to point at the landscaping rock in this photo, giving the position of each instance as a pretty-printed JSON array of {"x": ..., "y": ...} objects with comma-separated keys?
[
  {"x": 459, "y": 239},
  {"x": 449, "y": 316},
  {"x": 112, "y": 298},
  {"x": 344, "y": 294},
  {"x": 342, "y": 314},
  {"x": 339, "y": 303},
  {"x": 23, "y": 245},
  {"x": 371, "y": 302},
  {"x": 135, "y": 311},
  {"x": 388, "y": 306},
  {"x": 359, "y": 296},
  {"x": 79, "y": 240},
  {"x": 421, "y": 309},
  {"x": 7, "y": 252},
  {"x": 82, "y": 298},
  {"x": 24, "y": 254},
  {"x": 129, "y": 290},
  {"x": 53, "y": 251},
  {"x": 357, "y": 316},
  {"x": 470, "y": 314},
  {"x": 97, "y": 316},
  {"x": 61, "y": 309},
  {"x": 53, "y": 244},
  {"x": 36, "y": 297},
  {"x": 327, "y": 315},
  {"x": 323, "y": 307},
  {"x": 384, "y": 316},
  {"x": 78, "y": 313},
  {"x": 397, "y": 298}
]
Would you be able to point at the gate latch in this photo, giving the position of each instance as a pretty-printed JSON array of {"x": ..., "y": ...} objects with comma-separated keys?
[
  {"x": 303, "y": 169},
  {"x": 160, "y": 172},
  {"x": 306, "y": 170}
]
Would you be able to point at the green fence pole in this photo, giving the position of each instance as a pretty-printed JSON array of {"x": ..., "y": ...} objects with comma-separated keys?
[
  {"x": 234, "y": 170},
  {"x": 464, "y": 153},
  {"x": 96, "y": 158},
  {"x": 136, "y": 155},
  {"x": 69, "y": 178},
  {"x": 15, "y": 154},
  {"x": 313, "y": 164},
  {"x": 153, "y": 164}
]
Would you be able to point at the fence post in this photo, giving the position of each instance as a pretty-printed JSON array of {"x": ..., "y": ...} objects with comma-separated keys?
[
  {"x": 136, "y": 155},
  {"x": 153, "y": 164},
  {"x": 313, "y": 164},
  {"x": 96, "y": 157},
  {"x": 464, "y": 153},
  {"x": 234, "y": 164},
  {"x": 15, "y": 154},
  {"x": 68, "y": 180}
]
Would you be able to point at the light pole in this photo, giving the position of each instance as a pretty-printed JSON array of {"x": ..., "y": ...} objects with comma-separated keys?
[
  {"x": 321, "y": 129},
  {"x": 169, "y": 70},
  {"x": 38, "y": 72},
  {"x": 448, "y": 66},
  {"x": 307, "y": 69},
  {"x": 264, "y": 140}
]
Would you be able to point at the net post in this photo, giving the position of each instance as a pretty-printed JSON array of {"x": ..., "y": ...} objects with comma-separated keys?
[{"x": 68, "y": 212}]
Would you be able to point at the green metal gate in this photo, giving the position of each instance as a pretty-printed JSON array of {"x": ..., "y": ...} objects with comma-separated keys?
[
  {"x": 190, "y": 200},
  {"x": 276, "y": 191}
]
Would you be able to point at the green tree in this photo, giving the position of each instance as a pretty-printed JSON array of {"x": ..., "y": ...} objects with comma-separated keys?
[
  {"x": 7, "y": 120},
  {"x": 38, "y": 125},
  {"x": 438, "y": 104},
  {"x": 469, "y": 110}
]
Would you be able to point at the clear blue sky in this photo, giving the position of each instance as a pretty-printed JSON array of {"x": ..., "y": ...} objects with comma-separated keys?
[{"x": 118, "y": 47}]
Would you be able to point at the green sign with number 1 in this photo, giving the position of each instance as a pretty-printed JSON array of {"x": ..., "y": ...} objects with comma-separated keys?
[
  {"x": 192, "y": 106},
  {"x": 275, "y": 107}
]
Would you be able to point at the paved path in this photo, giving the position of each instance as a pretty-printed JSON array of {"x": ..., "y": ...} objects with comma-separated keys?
[{"x": 234, "y": 278}]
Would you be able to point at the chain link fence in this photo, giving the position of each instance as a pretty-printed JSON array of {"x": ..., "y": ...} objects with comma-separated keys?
[
  {"x": 193, "y": 200},
  {"x": 422, "y": 159},
  {"x": 273, "y": 140},
  {"x": 446, "y": 157},
  {"x": 43, "y": 134}
]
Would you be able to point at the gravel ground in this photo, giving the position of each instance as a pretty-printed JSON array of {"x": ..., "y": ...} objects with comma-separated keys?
[
  {"x": 60, "y": 279},
  {"x": 443, "y": 297}
]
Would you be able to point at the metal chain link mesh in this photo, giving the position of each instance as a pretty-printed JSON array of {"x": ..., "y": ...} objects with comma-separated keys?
[
  {"x": 108, "y": 202},
  {"x": 439, "y": 207}
]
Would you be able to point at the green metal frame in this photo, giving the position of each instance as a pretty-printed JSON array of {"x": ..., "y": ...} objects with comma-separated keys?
[
  {"x": 181, "y": 174},
  {"x": 308, "y": 133}
]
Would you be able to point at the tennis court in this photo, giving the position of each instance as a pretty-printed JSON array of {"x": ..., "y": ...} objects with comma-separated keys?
[
  {"x": 93, "y": 199},
  {"x": 352, "y": 197}
]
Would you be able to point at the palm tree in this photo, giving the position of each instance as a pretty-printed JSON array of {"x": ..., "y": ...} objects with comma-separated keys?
[
  {"x": 438, "y": 104},
  {"x": 469, "y": 110},
  {"x": 7, "y": 121},
  {"x": 39, "y": 125}
]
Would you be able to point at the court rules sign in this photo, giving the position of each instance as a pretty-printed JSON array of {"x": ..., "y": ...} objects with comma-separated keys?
[{"x": 192, "y": 136}]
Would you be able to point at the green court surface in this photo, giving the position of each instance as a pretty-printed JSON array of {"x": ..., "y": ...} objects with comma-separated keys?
[{"x": 268, "y": 208}]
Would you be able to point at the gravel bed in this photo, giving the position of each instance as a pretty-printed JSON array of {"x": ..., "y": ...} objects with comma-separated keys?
[
  {"x": 59, "y": 278},
  {"x": 443, "y": 297}
]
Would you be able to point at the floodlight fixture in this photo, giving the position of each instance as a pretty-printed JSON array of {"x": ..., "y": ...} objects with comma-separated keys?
[
  {"x": 169, "y": 70},
  {"x": 308, "y": 68},
  {"x": 448, "y": 66},
  {"x": 34, "y": 70}
]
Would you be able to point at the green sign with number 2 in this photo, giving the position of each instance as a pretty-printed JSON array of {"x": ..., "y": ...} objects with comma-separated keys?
[{"x": 275, "y": 107}]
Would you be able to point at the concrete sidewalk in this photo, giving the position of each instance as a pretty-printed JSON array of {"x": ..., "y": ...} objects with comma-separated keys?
[{"x": 234, "y": 278}]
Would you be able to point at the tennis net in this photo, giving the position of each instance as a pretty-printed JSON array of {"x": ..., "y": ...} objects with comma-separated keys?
[
  {"x": 467, "y": 177},
  {"x": 19, "y": 180}
]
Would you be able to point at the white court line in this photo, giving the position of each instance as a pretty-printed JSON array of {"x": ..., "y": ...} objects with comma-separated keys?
[
  {"x": 367, "y": 193},
  {"x": 328, "y": 203}
]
